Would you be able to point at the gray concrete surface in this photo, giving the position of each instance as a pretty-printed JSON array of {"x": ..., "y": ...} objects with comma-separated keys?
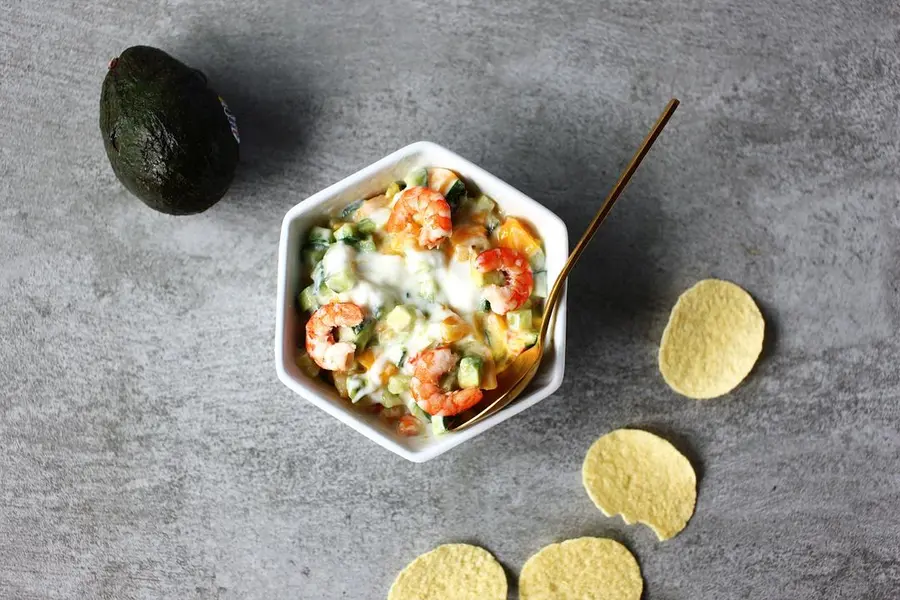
[{"x": 147, "y": 449}]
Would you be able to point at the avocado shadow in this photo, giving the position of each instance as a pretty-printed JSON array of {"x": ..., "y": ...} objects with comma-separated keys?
[
  {"x": 271, "y": 102},
  {"x": 618, "y": 291}
]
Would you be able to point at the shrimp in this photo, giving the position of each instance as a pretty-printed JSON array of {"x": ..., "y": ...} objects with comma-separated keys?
[
  {"x": 425, "y": 387},
  {"x": 320, "y": 344},
  {"x": 519, "y": 280},
  {"x": 423, "y": 212}
]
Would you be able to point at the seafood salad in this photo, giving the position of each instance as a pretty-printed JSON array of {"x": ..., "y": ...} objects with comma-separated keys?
[{"x": 417, "y": 298}]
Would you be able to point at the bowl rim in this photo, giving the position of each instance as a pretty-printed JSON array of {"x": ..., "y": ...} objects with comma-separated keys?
[{"x": 308, "y": 390}]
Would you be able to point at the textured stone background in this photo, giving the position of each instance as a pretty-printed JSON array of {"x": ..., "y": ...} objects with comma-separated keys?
[{"x": 147, "y": 449}]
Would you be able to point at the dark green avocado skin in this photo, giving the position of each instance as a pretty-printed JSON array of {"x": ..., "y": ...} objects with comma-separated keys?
[{"x": 165, "y": 132}]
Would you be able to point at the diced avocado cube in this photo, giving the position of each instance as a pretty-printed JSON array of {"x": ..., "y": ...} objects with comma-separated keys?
[
  {"x": 355, "y": 387},
  {"x": 392, "y": 189},
  {"x": 366, "y": 244},
  {"x": 320, "y": 235},
  {"x": 520, "y": 320},
  {"x": 345, "y": 232},
  {"x": 390, "y": 400},
  {"x": 470, "y": 372},
  {"x": 527, "y": 338},
  {"x": 308, "y": 300},
  {"x": 495, "y": 330},
  {"x": 340, "y": 282},
  {"x": 416, "y": 177},
  {"x": 306, "y": 364},
  {"x": 438, "y": 426},
  {"x": 400, "y": 318},
  {"x": 540, "y": 284},
  {"x": 397, "y": 384},
  {"x": 366, "y": 226}
]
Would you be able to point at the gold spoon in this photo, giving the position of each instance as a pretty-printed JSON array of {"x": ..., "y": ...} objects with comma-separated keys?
[{"x": 519, "y": 374}]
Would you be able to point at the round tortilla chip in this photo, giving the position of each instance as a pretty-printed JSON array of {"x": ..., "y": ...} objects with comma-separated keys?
[
  {"x": 451, "y": 572},
  {"x": 642, "y": 477},
  {"x": 582, "y": 569},
  {"x": 713, "y": 339}
]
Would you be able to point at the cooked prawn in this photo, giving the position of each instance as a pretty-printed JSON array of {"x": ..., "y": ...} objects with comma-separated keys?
[
  {"x": 320, "y": 344},
  {"x": 423, "y": 212},
  {"x": 430, "y": 366},
  {"x": 519, "y": 279}
]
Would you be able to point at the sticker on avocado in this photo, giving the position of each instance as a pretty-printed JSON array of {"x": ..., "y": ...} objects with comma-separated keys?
[{"x": 231, "y": 121}]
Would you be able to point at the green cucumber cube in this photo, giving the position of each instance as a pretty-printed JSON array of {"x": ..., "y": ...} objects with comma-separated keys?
[
  {"x": 416, "y": 177},
  {"x": 356, "y": 387},
  {"x": 308, "y": 300},
  {"x": 312, "y": 255},
  {"x": 390, "y": 400},
  {"x": 540, "y": 284},
  {"x": 470, "y": 372},
  {"x": 538, "y": 261},
  {"x": 366, "y": 226},
  {"x": 350, "y": 209},
  {"x": 306, "y": 364},
  {"x": 345, "y": 232},
  {"x": 320, "y": 235},
  {"x": 397, "y": 384},
  {"x": 520, "y": 320},
  {"x": 340, "y": 282},
  {"x": 438, "y": 426},
  {"x": 366, "y": 244},
  {"x": 455, "y": 194}
]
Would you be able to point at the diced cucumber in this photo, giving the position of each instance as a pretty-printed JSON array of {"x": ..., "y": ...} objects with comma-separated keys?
[
  {"x": 455, "y": 194},
  {"x": 484, "y": 305},
  {"x": 312, "y": 255},
  {"x": 540, "y": 284},
  {"x": 416, "y": 177},
  {"x": 366, "y": 226},
  {"x": 395, "y": 354},
  {"x": 318, "y": 275},
  {"x": 306, "y": 364},
  {"x": 360, "y": 334},
  {"x": 537, "y": 260},
  {"x": 340, "y": 282},
  {"x": 492, "y": 222},
  {"x": 345, "y": 232},
  {"x": 400, "y": 318},
  {"x": 364, "y": 332},
  {"x": 417, "y": 412},
  {"x": 484, "y": 204},
  {"x": 356, "y": 387},
  {"x": 350, "y": 209},
  {"x": 397, "y": 384},
  {"x": 324, "y": 295},
  {"x": 470, "y": 372},
  {"x": 390, "y": 400},
  {"x": 438, "y": 426},
  {"x": 527, "y": 338},
  {"x": 308, "y": 300},
  {"x": 520, "y": 320},
  {"x": 321, "y": 235},
  {"x": 366, "y": 244}
]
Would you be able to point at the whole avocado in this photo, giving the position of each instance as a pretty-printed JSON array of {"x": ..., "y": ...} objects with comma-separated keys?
[{"x": 169, "y": 138}]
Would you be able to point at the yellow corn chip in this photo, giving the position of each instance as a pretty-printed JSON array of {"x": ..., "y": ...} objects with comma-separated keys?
[
  {"x": 712, "y": 340},
  {"x": 582, "y": 569},
  {"x": 451, "y": 572},
  {"x": 642, "y": 477}
]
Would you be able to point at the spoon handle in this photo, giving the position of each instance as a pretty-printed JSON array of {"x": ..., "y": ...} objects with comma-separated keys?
[{"x": 601, "y": 215}]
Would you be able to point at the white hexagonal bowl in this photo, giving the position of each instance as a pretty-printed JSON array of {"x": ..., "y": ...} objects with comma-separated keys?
[{"x": 363, "y": 184}]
